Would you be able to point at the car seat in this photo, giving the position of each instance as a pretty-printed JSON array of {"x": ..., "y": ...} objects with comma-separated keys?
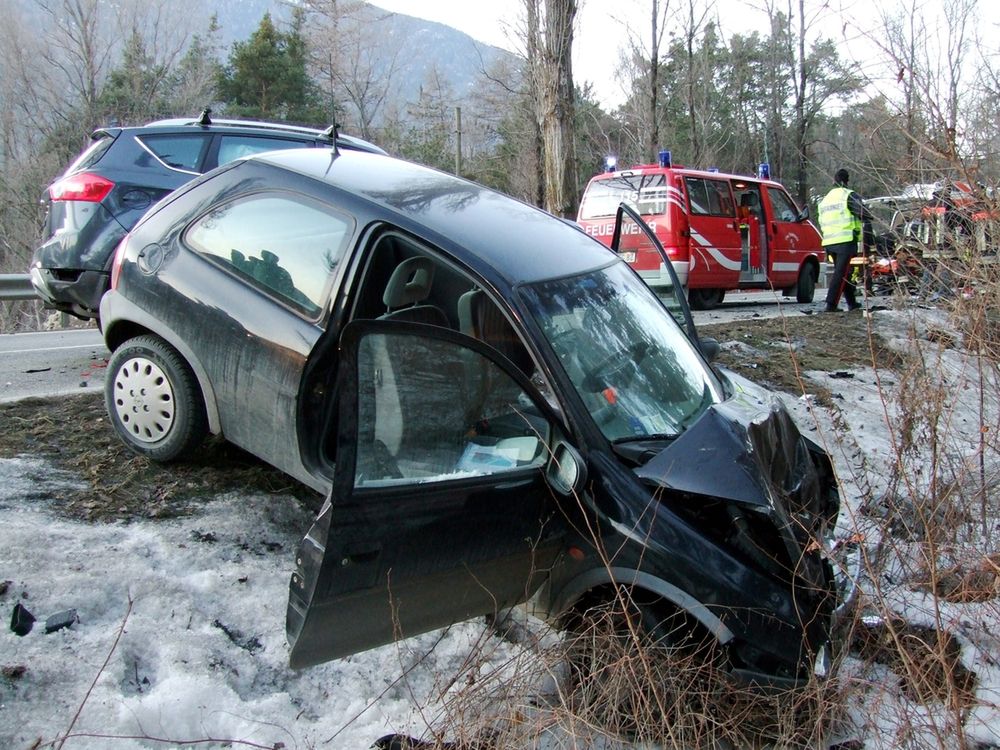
[
  {"x": 406, "y": 293},
  {"x": 480, "y": 318}
]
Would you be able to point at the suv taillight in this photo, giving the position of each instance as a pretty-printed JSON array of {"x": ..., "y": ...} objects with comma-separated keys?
[
  {"x": 81, "y": 187},
  {"x": 116, "y": 264}
]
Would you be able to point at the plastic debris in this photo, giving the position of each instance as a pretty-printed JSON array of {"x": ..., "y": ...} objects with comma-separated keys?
[
  {"x": 61, "y": 620},
  {"x": 21, "y": 620}
]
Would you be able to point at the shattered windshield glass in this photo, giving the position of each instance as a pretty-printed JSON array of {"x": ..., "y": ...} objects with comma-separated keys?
[{"x": 635, "y": 370}]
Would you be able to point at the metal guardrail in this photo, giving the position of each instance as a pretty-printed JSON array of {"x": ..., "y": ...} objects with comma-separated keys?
[{"x": 16, "y": 286}]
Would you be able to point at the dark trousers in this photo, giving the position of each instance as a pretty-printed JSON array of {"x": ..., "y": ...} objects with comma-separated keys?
[{"x": 840, "y": 282}]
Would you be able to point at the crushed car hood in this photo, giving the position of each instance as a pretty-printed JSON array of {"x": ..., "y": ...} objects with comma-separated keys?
[{"x": 746, "y": 450}]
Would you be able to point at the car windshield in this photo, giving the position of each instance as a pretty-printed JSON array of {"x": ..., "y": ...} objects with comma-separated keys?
[{"x": 635, "y": 370}]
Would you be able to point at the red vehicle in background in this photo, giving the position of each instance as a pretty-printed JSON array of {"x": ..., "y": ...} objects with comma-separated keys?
[{"x": 720, "y": 231}]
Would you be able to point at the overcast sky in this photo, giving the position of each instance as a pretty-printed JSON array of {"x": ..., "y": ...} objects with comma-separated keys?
[
  {"x": 602, "y": 29},
  {"x": 601, "y": 32}
]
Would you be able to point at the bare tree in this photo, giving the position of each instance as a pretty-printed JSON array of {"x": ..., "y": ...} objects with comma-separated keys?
[
  {"x": 931, "y": 73},
  {"x": 641, "y": 71},
  {"x": 356, "y": 68}
]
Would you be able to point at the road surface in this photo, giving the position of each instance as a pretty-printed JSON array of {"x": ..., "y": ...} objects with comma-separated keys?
[{"x": 55, "y": 363}]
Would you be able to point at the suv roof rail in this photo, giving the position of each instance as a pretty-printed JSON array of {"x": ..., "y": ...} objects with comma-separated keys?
[{"x": 255, "y": 124}]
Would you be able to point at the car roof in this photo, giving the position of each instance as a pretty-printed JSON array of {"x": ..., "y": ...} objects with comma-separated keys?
[
  {"x": 485, "y": 229},
  {"x": 244, "y": 126}
]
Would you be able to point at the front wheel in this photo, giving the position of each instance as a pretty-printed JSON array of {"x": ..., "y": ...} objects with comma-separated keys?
[
  {"x": 153, "y": 400},
  {"x": 705, "y": 299},
  {"x": 805, "y": 289},
  {"x": 628, "y": 653}
]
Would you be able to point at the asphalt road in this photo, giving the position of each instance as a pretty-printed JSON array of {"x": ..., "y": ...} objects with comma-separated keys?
[
  {"x": 55, "y": 363},
  {"x": 51, "y": 363}
]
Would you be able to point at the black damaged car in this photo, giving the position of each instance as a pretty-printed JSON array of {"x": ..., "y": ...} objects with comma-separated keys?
[{"x": 496, "y": 405}]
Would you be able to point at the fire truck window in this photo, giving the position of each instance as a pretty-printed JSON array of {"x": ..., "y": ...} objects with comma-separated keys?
[
  {"x": 784, "y": 208},
  {"x": 709, "y": 197},
  {"x": 646, "y": 193}
]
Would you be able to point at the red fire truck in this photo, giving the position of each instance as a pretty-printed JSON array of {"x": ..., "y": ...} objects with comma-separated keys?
[{"x": 720, "y": 231}]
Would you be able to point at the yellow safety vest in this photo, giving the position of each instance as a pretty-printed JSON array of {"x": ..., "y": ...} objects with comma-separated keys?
[{"x": 836, "y": 221}]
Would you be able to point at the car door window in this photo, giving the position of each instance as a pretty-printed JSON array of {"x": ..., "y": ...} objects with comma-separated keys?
[
  {"x": 239, "y": 146},
  {"x": 784, "y": 208},
  {"x": 431, "y": 410},
  {"x": 709, "y": 197},
  {"x": 184, "y": 151},
  {"x": 285, "y": 245}
]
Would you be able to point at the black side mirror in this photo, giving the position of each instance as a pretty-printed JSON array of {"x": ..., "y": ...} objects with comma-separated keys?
[
  {"x": 803, "y": 214},
  {"x": 566, "y": 472}
]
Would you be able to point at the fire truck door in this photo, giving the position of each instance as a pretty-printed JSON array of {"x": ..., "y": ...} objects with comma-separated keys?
[{"x": 753, "y": 234}]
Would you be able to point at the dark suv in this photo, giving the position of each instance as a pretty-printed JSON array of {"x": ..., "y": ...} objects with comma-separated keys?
[{"x": 108, "y": 188}]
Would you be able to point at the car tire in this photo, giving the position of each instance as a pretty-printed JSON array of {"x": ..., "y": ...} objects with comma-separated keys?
[
  {"x": 805, "y": 289},
  {"x": 153, "y": 400},
  {"x": 705, "y": 299}
]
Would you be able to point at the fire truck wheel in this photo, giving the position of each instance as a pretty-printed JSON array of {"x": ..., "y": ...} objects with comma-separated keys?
[
  {"x": 805, "y": 290},
  {"x": 705, "y": 299}
]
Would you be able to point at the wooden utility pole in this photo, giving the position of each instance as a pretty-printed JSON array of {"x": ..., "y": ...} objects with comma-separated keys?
[{"x": 458, "y": 141}]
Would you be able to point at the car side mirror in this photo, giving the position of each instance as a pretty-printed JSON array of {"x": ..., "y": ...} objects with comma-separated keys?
[
  {"x": 710, "y": 348},
  {"x": 803, "y": 215},
  {"x": 566, "y": 472}
]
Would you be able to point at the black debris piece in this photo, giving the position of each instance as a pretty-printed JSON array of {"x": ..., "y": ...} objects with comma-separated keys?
[
  {"x": 841, "y": 374},
  {"x": 61, "y": 620},
  {"x": 402, "y": 742},
  {"x": 250, "y": 644},
  {"x": 21, "y": 620}
]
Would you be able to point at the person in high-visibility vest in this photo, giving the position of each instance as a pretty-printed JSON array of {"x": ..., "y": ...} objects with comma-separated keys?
[{"x": 841, "y": 218}]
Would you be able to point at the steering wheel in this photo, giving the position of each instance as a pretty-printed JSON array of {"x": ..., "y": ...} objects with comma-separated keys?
[{"x": 615, "y": 369}]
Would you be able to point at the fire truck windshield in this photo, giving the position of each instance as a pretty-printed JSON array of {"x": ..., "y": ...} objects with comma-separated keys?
[
  {"x": 646, "y": 193},
  {"x": 635, "y": 370}
]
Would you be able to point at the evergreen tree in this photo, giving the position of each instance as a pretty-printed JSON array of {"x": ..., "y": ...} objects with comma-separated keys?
[
  {"x": 133, "y": 91},
  {"x": 194, "y": 83},
  {"x": 266, "y": 75}
]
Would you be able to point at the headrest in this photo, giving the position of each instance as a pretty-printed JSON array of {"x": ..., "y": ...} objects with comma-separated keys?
[{"x": 410, "y": 283}]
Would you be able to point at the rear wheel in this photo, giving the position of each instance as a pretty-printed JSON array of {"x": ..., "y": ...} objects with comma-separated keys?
[
  {"x": 805, "y": 289},
  {"x": 153, "y": 400},
  {"x": 705, "y": 299}
]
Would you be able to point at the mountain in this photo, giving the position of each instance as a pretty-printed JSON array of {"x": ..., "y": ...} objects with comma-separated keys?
[
  {"x": 418, "y": 47},
  {"x": 413, "y": 47}
]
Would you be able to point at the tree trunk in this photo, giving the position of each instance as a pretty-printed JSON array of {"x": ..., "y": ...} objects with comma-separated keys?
[{"x": 553, "y": 72}]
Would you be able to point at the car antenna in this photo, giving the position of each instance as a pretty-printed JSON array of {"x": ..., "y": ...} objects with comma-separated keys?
[
  {"x": 333, "y": 133},
  {"x": 206, "y": 117}
]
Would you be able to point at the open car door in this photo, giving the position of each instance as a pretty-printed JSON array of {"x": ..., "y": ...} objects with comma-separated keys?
[
  {"x": 633, "y": 232},
  {"x": 440, "y": 509}
]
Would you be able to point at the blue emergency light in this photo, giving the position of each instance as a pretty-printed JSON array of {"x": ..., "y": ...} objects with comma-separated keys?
[
  {"x": 664, "y": 158},
  {"x": 713, "y": 169},
  {"x": 610, "y": 163},
  {"x": 764, "y": 171}
]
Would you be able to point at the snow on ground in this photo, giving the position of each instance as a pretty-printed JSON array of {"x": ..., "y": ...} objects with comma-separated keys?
[{"x": 203, "y": 651}]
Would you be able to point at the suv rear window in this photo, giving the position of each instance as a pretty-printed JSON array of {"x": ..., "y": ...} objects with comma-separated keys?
[
  {"x": 185, "y": 151},
  {"x": 92, "y": 154},
  {"x": 237, "y": 146}
]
